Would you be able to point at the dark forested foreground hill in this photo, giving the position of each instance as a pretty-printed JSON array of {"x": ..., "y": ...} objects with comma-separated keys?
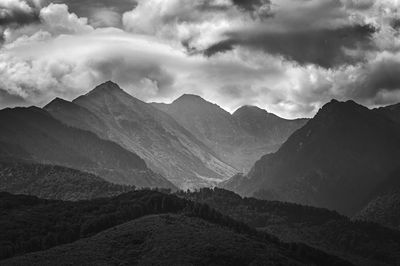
[
  {"x": 32, "y": 134},
  {"x": 55, "y": 182},
  {"x": 362, "y": 243},
  {"x": 192, "y": 234},
  {"x": 335, "y": 161}
]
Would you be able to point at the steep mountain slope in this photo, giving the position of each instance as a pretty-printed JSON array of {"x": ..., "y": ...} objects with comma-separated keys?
[
  {"x": 268, "y": 127},
  {"x": 335, "y": 161},
  {"x": 362, "y": 243},
  {"x": 32, "y": 134},
  {"x": 128, "y": 229},
  {"x": 391, "y": 111},
  {"x": 239, "y": 139},
  {"x": 384, "y": 206},
  {"x": 55, "y": 182},
  {"x": 166, "y": 146}
]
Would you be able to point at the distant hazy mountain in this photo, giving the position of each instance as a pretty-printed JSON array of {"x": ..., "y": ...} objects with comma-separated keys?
[
  {"x": 55, "y": 182},
  {"x": 32, "y": 134},
  {"x": 155, "y": 136},
  {"x": 239, "y": 139},
  {"x": 266, "y": 126},
  {"x": 335, "y": 161}
]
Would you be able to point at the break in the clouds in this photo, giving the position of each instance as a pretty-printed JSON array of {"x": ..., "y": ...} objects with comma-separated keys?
[{"x": 288, "y": 56}]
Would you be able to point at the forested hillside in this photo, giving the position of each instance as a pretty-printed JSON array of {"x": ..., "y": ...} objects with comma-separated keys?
[
  {"x": 32, "y": 224},
  {"x": 363, "y": 243},
  {"x": 55, "y": 182}
]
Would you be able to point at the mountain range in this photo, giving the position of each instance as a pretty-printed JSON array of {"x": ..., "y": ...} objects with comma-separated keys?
[
  {"x": 328, "y": 187},
  {"x": 33, "y": 135},
  {"x": 166, "y": 146},
  {"x": 240, "y": 138},
  {"x": 335, "y": 161}
]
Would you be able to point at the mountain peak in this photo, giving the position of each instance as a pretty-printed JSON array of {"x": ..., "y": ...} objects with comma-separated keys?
[
  {"x": 55, "y": 102},
  {"x": 249, "y": 108},
  {"x": 189, "y": 97},
  {"x": 107, "y": 86},
  {"x": 339, "y": 106}
]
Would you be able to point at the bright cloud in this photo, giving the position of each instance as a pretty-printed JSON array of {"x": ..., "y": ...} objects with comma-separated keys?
[{"x": 289, "y": 57}]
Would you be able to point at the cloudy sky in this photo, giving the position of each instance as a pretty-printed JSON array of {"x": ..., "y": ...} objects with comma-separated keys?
[{"x": 287, "y": 56}]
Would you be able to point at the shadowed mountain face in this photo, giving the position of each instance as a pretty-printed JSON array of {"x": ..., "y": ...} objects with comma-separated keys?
[
  {"x": 239, "y": 139},
  {"x": 55, "y": 182},
  {"x": 391, "y": 111},
  {"x": 384, "y": 206},
  {"x": 335, "y": 161},
  {"x": 155, "y": 136},
  {"x": 32, "y": 134}
]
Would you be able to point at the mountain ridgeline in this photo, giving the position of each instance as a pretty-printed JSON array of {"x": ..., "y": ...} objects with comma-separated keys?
[
  {"x": 33, "y": 135},
  {"x": 320, "y": 191},
  {"x": 335, "y": 161},
  {"x": 166, "y": 146},
  {"x": 240, "y": 138}
]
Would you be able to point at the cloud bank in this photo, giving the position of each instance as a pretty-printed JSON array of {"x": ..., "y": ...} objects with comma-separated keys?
[{"x": 287, "y": 56}]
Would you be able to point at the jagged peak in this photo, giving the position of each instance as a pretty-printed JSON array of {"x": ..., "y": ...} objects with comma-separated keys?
[
  {"x": 342, "y": 104},
  {"x": 249, "y": 108},
  {"x": 189, "y": 97},
  {"x": 56, "y": 101},
  {"x": 342, "y": 108},
  {"x": 108, "y": 86}
]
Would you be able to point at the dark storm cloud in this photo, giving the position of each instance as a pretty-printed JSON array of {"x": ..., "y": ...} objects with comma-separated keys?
[
  {"x": 126, "y": 74},
  {"x": 84, "y": 8},
  {"x": 250, "y": 5},
  {"x": 15, "y": 16},
  {"x": 323, "y": 47},
  {"x": 395, "y": 23},
  {"x": 383, "y": 75},
  {"x": 7, "y": 99},
  {"x": 359, "y": 5},
  {"x": 101, "y": 13}
]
